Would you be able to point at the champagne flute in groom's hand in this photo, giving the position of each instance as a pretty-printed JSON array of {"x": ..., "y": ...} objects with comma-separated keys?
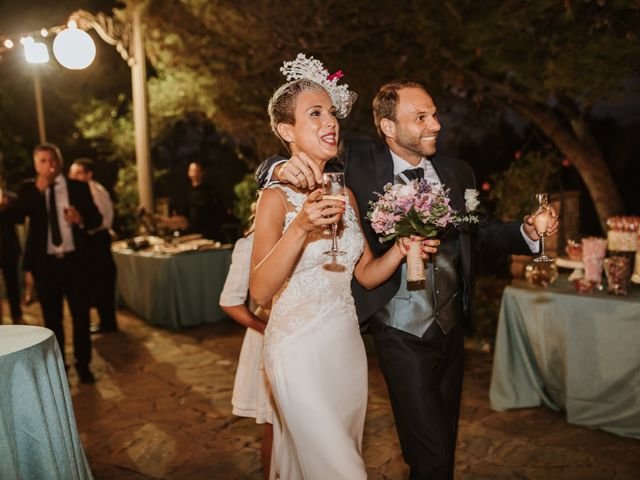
[{"x": 541, "y": 213}]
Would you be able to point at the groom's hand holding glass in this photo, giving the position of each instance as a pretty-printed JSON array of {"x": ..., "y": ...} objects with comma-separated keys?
[
  {"x": 542, "y": 223},
  {"x": 552, "y": 227}
]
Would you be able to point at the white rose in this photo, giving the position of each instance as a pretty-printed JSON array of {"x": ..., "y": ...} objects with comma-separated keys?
[
  {"x": 406, "y": 191},
  {"x": 471, "y": 201}
]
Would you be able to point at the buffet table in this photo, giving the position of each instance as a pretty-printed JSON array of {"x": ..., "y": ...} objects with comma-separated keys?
[
  {"x": 173, "y": 291},
  {"x": 570, "y": 352},
  {"x": 38, "y": 433}
]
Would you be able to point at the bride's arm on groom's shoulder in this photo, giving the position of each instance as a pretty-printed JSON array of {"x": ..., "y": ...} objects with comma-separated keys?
[{"x": 275, "y": 253}]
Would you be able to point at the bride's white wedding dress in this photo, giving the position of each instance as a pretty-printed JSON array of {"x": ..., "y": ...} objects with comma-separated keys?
[{"x": 316, "y": 362}]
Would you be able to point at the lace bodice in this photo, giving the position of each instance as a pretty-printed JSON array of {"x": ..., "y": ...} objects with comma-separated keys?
[{"x": 319, "y": 286}]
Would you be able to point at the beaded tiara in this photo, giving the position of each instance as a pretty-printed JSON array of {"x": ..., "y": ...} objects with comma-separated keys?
[{"x": 312, "y": 69}]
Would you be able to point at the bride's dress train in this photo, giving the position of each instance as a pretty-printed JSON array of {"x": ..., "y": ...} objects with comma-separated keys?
[{"x": 316, "y": 363}]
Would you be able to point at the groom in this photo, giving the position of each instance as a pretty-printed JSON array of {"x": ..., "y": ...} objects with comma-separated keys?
[{"x": 418, "y": 333}]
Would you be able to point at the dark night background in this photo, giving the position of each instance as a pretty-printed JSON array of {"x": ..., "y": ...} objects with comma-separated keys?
[{"x": 488, "y": 139}]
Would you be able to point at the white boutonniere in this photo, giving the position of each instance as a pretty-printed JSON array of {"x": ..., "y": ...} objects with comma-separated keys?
[{"x": 471, "y": 201}]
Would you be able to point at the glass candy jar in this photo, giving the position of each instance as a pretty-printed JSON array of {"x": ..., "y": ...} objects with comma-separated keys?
[{"x": 541, "y": 274}]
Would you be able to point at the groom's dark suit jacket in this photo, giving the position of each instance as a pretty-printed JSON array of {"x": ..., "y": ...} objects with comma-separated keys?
[{"x": 368, "y": 168}]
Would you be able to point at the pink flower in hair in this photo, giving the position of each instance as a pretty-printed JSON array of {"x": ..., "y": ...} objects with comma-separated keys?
[{"x": 338, "y": 75}]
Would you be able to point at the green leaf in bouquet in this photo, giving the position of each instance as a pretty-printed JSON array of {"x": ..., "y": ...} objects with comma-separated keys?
[{"x": 388, "y": 237}]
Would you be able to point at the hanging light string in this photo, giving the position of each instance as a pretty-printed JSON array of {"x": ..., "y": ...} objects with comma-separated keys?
[{"x": 10, "y": 42}]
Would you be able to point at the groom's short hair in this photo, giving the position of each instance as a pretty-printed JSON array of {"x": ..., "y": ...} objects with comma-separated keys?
[{"x": 385, "y": 102}]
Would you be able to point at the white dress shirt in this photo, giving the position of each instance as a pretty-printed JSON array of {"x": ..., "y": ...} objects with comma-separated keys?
[
  {"x": 400, "y": 165},
  {"x": 102, "y": 199},
  {"x": 62, "y": 201}
]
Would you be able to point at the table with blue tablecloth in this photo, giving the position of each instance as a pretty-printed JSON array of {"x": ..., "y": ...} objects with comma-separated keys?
[
  {"x": 572, "y": 352},
  {"x": 38, "y": 434},
  {"x": 173, "y": 291}
]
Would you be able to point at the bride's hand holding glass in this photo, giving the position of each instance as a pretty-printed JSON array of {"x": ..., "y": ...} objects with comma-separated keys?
[
  {"x": 318, "y": 212},
  {"x": 333, "y": 188}
]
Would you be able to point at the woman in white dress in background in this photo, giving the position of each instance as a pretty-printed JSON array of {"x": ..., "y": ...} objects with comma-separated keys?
[
  {"x": 251, "y": 393},
  {"x": 314, "y": 355}
]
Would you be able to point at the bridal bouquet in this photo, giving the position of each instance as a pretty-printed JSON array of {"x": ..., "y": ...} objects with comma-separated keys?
[{"x": 419, "y": 209}]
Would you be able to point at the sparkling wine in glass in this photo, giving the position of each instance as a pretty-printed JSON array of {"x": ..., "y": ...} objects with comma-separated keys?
[
  {"x": 333, "y": 189},
  {"x": 541, "y": 213}
]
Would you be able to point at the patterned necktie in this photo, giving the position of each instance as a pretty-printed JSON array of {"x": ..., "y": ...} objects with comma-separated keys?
[
  {"x": 410, "y": 174},
  {"x": 54, "y": 226}
]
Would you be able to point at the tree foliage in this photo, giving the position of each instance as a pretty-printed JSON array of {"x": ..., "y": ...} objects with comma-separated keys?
[
  {"x": 246, "y": 193},
  {"x": 12, "y": 150},
  {"x": 533, "y": 172},
  {"x": 550, "y": 61}
]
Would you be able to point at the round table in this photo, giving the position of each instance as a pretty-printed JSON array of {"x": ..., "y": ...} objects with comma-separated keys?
[{"x": 38, "y": 433}]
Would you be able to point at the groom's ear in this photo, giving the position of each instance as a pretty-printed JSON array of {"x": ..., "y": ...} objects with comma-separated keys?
[
  {"x": 286, "y": 132},
  {"x": 388, "y": 127}
]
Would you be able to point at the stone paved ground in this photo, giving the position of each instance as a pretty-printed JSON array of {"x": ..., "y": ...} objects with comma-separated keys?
[{"x": 160, "y": 409}]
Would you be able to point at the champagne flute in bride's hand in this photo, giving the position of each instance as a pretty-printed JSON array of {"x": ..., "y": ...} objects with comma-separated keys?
[
  {"x": 541, "y": 213},
  {"x": 333, "y": 189}
]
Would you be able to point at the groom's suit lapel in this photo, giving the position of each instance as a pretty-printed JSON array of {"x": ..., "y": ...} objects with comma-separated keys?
[
  {"x": 449, "y": 180},
  {"x": 384, "y": 167},
  {"x": 456, "y": 194}
]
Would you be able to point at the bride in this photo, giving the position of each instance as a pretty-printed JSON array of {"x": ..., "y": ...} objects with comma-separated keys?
[{"x": 314, "y": 355}]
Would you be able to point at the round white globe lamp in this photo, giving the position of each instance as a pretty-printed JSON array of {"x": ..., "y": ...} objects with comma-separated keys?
[{"x": 74, "y": 48}]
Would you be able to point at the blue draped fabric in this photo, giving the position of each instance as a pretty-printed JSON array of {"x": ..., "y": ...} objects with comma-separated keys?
[
  {"x": 38, "y": 434},
  {"x": 570, "y": 352},
  {"x": 173, "y": 291}
]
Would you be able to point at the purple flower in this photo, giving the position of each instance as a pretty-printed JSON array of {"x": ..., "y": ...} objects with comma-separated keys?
[{"x": 417, "y": 208}]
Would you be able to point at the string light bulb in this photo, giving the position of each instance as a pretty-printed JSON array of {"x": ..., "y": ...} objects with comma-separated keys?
[{"x": 35, "y": 52}]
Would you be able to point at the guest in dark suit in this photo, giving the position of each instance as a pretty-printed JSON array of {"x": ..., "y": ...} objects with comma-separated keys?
[
  {"x": 9, "y": 255},
  {"x": 60, "y": 212},
  {"x": 418, "y": 333},
  {"x": 101, "y": 264}
]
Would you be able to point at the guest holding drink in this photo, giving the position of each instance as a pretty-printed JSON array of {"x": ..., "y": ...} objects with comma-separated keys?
[{"x": 60, "y": 212}]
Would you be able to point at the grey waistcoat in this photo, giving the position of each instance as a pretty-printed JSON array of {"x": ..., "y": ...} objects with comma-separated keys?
[{"x": 439, "y": 299}]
